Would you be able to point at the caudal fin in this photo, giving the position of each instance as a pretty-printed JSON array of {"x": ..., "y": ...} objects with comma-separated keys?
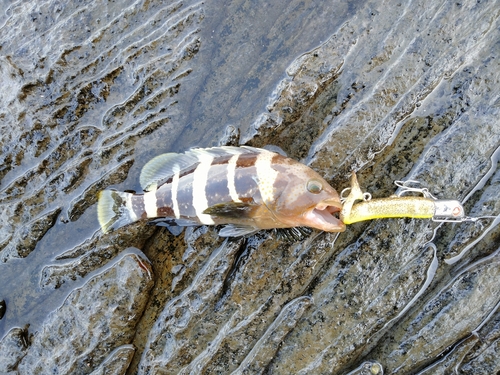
[{"x": 114, "y": 209}]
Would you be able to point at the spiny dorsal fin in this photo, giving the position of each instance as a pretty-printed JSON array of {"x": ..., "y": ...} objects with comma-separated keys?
[{"x": 164, "y": 166}]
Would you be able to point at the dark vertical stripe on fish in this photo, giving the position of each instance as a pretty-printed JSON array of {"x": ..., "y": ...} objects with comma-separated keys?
[
  {"x": 284, "y": 168},
  {"x": 164, "y": 202},
  {"x": 138, "y": 206},
  {"x": 185, "y": 198},
  {"x": 217, "y": 187},
  {"x": 246, "y": 160},
  {"x": 231, "y": 175},
  {"x": 245, "y": 183}
]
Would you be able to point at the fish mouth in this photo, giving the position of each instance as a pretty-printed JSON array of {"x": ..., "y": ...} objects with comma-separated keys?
[{"x": 325, "y": 216}]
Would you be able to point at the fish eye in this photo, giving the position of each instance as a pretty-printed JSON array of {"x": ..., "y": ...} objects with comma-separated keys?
[{"x": 314, "y": 186}]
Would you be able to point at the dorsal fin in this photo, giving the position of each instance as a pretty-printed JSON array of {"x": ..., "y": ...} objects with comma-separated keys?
[{"x": 164, "y": 166}]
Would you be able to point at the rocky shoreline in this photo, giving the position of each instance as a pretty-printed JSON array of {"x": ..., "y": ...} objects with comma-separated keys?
[{"x": 396, "y": 91}]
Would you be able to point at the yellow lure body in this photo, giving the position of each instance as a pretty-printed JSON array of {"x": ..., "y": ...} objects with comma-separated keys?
[
  {"x": 359, "y": 206},
  {"x": 392, "y": 207}
]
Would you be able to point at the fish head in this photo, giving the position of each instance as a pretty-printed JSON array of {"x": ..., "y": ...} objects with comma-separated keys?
[{"x": 304, "y": 198}]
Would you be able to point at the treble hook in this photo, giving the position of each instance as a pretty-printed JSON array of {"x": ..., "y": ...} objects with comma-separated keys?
[{"x": 405, "y": 188}]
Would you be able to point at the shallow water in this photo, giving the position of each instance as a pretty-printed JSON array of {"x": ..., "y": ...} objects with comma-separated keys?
[
  {"x": 104, "y": 87},
  {"x": 391, "y": 90}
]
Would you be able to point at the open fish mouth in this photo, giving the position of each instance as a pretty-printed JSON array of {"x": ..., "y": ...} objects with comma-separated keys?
[{"x": 325, "y": 216}]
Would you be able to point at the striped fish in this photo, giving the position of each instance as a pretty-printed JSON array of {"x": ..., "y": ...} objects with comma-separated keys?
[{"x": 246, "y": 188}]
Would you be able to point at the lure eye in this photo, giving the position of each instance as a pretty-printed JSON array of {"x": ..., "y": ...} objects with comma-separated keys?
[{"x": 314, "y": 186}]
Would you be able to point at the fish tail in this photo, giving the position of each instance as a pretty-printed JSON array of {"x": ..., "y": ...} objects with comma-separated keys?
[{"x": 114, "y": 209}]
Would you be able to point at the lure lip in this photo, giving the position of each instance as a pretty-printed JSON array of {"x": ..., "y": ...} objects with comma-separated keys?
[{"x": 322, "y": 216}]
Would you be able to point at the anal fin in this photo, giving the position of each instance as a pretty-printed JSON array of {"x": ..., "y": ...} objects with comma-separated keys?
[{"x": 175, "y": 226}]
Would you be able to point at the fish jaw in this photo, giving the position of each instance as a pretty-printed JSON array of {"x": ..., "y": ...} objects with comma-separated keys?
[{"x": 322, "y": 216}]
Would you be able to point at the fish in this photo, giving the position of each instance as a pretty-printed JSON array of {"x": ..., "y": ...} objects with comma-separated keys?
[{"x": 244, "y": 188}]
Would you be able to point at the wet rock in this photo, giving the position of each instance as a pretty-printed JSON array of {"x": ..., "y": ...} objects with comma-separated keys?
[
  {"x": 13, "y": 348},
  {"x": 93, "y": 254},
  {"x": 392, "y": 111},
  {"x": 80, "y": 99},
  {"x": 469, "y": 241},
  {"x": 350, "y": 309},
  {"x": 482, "y": 358},
  {"x": 455, "y": 312},
  {"x": 231, "y": 137},
  {"x": 368, "y": 368},
  {"x": 176, "y": 262},
  {"x": 452, "y": 359},
  {"x": 485, "y": 362},
  {"x": 26, "y": 239},
  {"x": 81, "y": 335},
  {"x": 267, "y": 347},
  {"x": 167, "y": 343},
  {"x": 117, "y": 362},
  {"x": 409, "y": 93}
]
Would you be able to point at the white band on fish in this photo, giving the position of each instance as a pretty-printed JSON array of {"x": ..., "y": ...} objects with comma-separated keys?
[
  {"x": 150, "y": 205},
  {"x": 175, "y": 187},
  {"x": 200, "y": 177},
  {"x": 266, "y": 175}
]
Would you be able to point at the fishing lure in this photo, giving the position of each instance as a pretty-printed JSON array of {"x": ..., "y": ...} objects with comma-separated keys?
[
  {"x": 398, "y": 206},
  {"x": 244, "y": 188}
]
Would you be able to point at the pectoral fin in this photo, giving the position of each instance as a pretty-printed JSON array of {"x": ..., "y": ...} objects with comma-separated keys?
[{"x": 233, "y": 210}]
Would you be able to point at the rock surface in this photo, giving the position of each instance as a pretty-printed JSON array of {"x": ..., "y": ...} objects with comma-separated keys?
[
  {"x": 93, "y": 327},
  {"x": 393, "y": 91}
]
